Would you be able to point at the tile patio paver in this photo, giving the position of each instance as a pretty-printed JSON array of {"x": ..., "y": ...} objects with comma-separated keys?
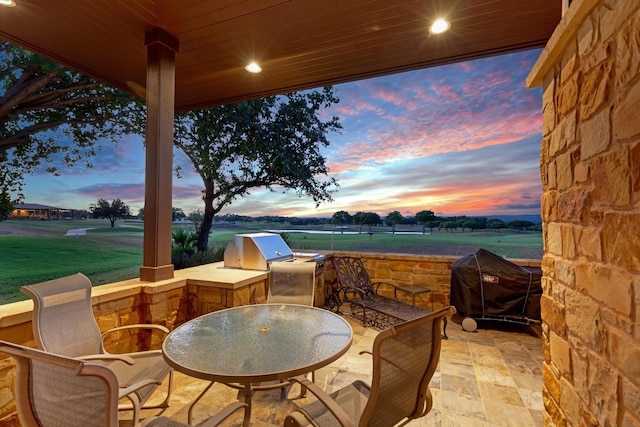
[{"x": 490, "y": 377}]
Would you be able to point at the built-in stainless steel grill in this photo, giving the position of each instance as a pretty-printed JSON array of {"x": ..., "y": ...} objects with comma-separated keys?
[
  {"x": 259, "y": 251},
  {"x": 256, "y": 251}
]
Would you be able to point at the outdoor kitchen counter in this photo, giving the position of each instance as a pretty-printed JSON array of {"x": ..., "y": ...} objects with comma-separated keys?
[
  {"x": 217, "y": 275},
  {"x": 214, "y": 287}
]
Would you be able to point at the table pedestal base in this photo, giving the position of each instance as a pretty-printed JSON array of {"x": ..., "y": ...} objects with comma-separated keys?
[{"x": 247, "y": 391}]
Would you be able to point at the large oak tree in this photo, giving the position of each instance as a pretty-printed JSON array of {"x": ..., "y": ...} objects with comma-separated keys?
[
  {"x": 51, "y": 114},
  {"x": 367, "y": 218},
  {"x": 393, "y": 218},
  {"x": 341, "y": 218},
  {"x": 425, "y": 217},
  {"x": 271, "y": 143},
  {"x": 112, "y": 211}
]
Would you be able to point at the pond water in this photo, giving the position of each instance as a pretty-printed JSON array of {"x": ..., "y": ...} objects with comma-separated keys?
[{"x": 341, "y": 232}]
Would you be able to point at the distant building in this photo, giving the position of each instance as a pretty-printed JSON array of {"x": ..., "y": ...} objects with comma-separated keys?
[{"x": 35, "y": 211}]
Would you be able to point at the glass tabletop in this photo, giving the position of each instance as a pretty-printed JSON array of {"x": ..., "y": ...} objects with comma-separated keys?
[{"x": 257, "y": 343}]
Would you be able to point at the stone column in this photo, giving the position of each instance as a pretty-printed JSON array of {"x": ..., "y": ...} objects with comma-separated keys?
[{"x": 590, "y": 170}]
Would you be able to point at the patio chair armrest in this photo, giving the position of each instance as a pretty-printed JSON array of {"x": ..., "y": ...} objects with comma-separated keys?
[
  {"x": 126, "y": 391},
  {"x": 326, "y": 400},
  {"x": 223, "y": 414},
  {"x": 107, "y": 356},
  {"x": 350, "y": 289},
  {"x": 138, "y": 326},
  {"x": 385, "y": 285},
  {"x": 148, "y": 326}
]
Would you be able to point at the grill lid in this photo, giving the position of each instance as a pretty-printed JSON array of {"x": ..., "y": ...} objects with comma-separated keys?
[{"x": 256, "y": 250}]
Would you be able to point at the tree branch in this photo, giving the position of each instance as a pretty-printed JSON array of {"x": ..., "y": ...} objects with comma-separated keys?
[
  {"x": 58, "y": 103},
  {"x": 18, "y": 137},
  {"x": 52, "y": 95},
  {"x": 28, "y": 84}
]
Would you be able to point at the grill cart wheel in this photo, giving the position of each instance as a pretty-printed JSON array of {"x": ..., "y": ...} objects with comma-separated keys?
[{"x": 469, "y": 325}]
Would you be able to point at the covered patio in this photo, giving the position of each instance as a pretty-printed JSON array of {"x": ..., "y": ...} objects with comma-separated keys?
[
  {"x": 186, "y": 54},
  {"x": 491, "y": 377}
]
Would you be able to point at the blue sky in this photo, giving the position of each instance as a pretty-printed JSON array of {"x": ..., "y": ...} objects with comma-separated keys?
[{"x": 461, "y": 139}]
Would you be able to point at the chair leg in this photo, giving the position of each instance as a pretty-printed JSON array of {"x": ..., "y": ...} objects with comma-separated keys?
[
  {"x": 284, "y": 390},
  {"x": 303, "y": 389},
  {"x": 136, "y": 415},
  {"x": 202, "y": 393},
  {"x": 135, "y": 407},
  {"x": 165, "y": 404},
  {"x": 444, "y": 328},
  {"x": 283, "y": 393}
]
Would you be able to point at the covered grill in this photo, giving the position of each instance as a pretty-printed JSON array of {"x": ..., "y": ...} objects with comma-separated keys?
[{"x": 486, "y": 286}]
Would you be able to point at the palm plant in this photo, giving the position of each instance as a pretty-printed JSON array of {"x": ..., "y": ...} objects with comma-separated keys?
[{"x": 183, "y": 246}]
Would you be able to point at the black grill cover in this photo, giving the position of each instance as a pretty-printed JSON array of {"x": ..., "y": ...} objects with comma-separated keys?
[{"x": 487, "y": 284}]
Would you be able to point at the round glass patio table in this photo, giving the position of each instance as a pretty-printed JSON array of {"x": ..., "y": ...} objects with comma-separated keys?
[{"x": 257, "y": 343}]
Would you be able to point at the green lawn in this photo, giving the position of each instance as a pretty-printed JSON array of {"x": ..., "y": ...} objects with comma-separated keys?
[
  {"x": 511, "y": 245},
  {"x": 105, "y": 255},
  {"x": 33, "y": 251}
]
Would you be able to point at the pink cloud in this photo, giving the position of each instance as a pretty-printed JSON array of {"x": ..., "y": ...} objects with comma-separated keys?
[
  {"x": 388, "y": 96},
  {"x": 445, "y": 93}
]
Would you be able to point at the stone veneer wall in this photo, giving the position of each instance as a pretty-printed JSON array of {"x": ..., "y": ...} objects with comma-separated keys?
[
  {"x": 404, "y": 270},
  {"x": 590, "y": 168},
  {"x": 168, "y": 303},
  {"x": 433, "y": 272}
]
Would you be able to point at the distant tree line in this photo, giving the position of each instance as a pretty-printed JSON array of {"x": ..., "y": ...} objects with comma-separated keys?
[{"x": 427, "y": 219}]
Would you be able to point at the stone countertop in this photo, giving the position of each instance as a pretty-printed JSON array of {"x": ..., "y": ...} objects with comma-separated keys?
[{"x": 216, "y": 274}]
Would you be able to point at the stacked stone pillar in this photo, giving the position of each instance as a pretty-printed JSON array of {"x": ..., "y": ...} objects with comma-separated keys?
[{"x": 590, "y": 169}]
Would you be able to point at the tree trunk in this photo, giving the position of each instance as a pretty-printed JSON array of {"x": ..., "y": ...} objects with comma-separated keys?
[
  {"x": 207, "y": 220},
  {"x": 113, "y": 222}
]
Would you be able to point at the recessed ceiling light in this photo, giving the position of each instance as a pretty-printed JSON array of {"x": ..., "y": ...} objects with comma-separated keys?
[
  {"x": 253, "y": 68},
  {"x": 439, "y": 26},
  {"x": 9, "y": 3}
]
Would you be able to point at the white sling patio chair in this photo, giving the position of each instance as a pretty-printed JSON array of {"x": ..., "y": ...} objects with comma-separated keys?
[
  {"x": 405, "y": 357},
  {"x": 64, "y": 324},
  {"x": 53, "y": 390}
]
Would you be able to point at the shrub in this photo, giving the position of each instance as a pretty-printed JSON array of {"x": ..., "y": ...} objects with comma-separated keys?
[
  {"x": 184, "y": 252},
  {"x": 286, "y": 237},
  {"x": 183, "y": 246}
]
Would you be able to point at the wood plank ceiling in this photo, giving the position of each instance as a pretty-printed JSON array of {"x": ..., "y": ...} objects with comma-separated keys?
[{"x": 299, "y": 43}]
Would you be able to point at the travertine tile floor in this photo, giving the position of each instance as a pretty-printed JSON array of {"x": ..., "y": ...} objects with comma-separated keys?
[{"x": 490, "y": 377}]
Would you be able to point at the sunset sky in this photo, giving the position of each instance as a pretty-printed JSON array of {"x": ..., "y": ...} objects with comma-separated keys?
[{"x": 461, "y": 139}]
